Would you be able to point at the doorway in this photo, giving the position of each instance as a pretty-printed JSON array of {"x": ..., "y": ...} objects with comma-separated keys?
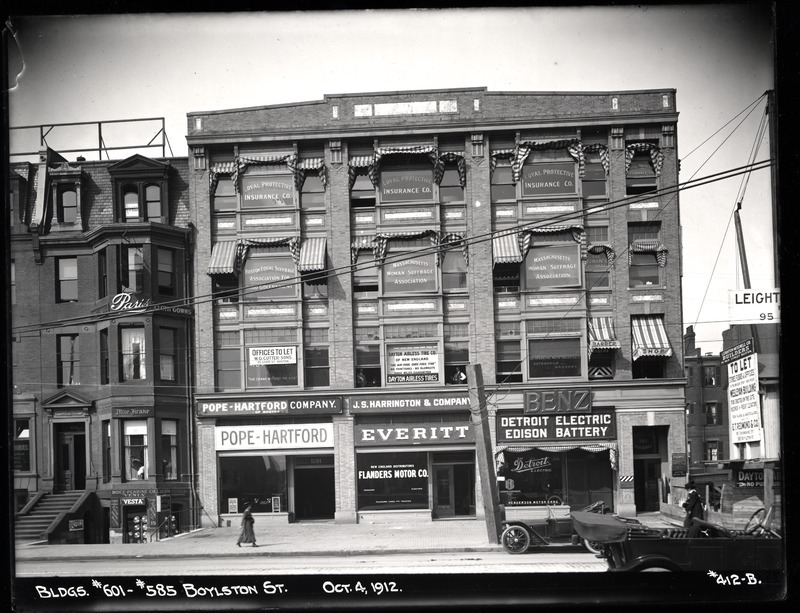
[
  {"x": 314, "y": 488},
  {"x": 645, "y": 484},
  {"x": 454, "y": 487},
  {"x": 70, "y": 457}
]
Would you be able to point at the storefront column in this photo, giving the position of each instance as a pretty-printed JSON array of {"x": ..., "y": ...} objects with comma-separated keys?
[
  {"x": 344, "y": 470},
  {"x": 207, "y": 474}
]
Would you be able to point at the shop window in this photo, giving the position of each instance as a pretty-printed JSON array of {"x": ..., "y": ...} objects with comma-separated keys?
[
  {"x": 169, "y": 448},
  {"x": 713, "y": 414},
  {"x": 450, "y": 189},
  {"x": 68, "y": 360},
  {"x": 224, "y": 195},
  {"x": 362, "y": 194},
  {"x": 167, "y": 357},
  {"x": 132, "y": 354},
  {"x": 506, "y": 278},
  {"x": 166, "y": 271},
  {"x": 368, "y": 365},
  {"x": 253, "y": 480},
  {"x": 554, "y": 357},
  {"x": 454, "y": 270},
  {"x": 502, "y": 185},
  {"x": 649, "y": 368},
  {"x": 711, "y": 451},
  {"x": 104, "y": 359},
  {"x": 67, "y": 206},
  {"x": 601, "y": 364},
  {"x": 22, "y": 445},
  {"x": 597, "y": 271},
  {"x": 67, "y": 280},
  {"x": 406, "y": 489},
  {"x": 508, "y": 362},
  {"x": 131, "y": 269},
  {"x": 106, "y": 442},
  {"x": 643, "y": 270},
  {"x": 102, "y": 273},
  {"x": 135, "y": 449},
  {"x": 710, "y": 376},
  {"x": 312, "y": 194},
  {"x": 641, "y": 177},
  {"x": 228, "y": 361},
  {"x": 270, "y": 357},
  {"x": 524, "y": 486},
  {"x": 316, "y": 359}
]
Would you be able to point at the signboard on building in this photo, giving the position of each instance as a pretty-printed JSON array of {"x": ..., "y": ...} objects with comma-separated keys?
[
  {"x": 127, "y": 412},
  {"x": 548, "y": 179},
  {"x": 289, "y": 436},
  {"x": 269, "y": 277},
  {"x": 514, "y": 427},
  {"x": 748, "y": 477},
  {"x": 553, "y": 266},
  {"x": 744, "y": 401},
  {"x": 415, "y": 274},
  {"x": 75, "y": 525},
  {"x": 407, "y": 184},
  {"x": 751, "y": 306},
  {"x": 263, "y": 356},
  {"x": 412, "y": 363},
  {"x": 679, "y": 465},
  {"x": 401, "y": 403},
  {"x": 269, "y": 191},
  {"x": 392, "y": 480},
  {"x": 413, "y": 434},
  {"x": 558, "y": 401},
  {"x": 272, "y": 406}
]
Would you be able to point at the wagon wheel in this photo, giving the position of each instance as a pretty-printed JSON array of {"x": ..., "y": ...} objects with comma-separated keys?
[
  {"x": 756, "y": 521},
  {"x": 515, "y": 539}
]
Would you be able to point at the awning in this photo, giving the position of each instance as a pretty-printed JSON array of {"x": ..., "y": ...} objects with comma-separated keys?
[
  {"x": 649, "y": 337},
  {"x": 601, "y": 334},
  {"x": 505, "y": 249},
  {"x": 312, "y": 255},
  {"x": 223, "y": 258}
]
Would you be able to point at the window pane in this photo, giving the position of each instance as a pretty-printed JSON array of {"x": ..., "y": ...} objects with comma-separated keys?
[
  {"x": 131, "y": 200},
  {"x": 133, "y": 354},
  {"x": 153, "y": 198},
  {"x": 69, "y": 206},
  {"x": 554, "y": 358},
  {"x": 166, "y": 271}
]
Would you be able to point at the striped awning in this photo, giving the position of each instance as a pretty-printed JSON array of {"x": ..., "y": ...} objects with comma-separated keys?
[
  {"x": 312, "y": 255},
  {"x": 359, "y": 243},
  {"x": 649, "y": 337},
  {"x": 602, "y": 334},
  {"x": 223, "y": 258},
  {"x": 307, "y": 164},
  {"x": 505, "y": 249},
  {"x": 648, "y": 246},
  {"x": 221, "y": 168},
  {"x": 656, "y": 155},
  {"x": 381, "y": 152},
  {"x": 573, "y": 146}
]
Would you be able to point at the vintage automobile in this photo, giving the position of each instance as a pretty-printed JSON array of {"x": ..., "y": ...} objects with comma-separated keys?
[{"x": 702, "y": 547}]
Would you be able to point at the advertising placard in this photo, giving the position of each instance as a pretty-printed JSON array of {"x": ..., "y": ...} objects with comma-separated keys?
[
  {"x": 415, "y": 274},
  {"x": 263, "y": 356},
  {"x": 751, "y": 306},
  {"x": 547, "y": 179},
  {"x": 407, "y": 184},
  {"x": 553, "y": 266},
  {"x": 748, "y": 477},
  {"x": 412, "y": 363},
  {"x": 289, "y": 436},
  {"x": 270, "y": 191},
  {"x": 744, "y": 402},
  {"x": 392, "y": 480},
  {"x": 515, "y": 427}
]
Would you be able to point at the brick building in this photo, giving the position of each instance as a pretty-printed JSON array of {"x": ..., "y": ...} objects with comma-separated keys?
[
  {"x": 358, "y": 252},
  {"x": 100, "y": 268}
]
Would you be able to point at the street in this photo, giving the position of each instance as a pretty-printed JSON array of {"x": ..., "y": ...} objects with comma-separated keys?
[{"x": 394, "y": 564}]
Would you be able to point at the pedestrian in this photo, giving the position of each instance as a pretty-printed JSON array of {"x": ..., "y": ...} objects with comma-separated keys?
[
  {"x": 693, "y": 506},
  {"x": 247, "y": 535}
]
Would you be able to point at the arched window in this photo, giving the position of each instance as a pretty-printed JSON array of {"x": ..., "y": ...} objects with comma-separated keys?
[{"x": 130, "y": 199}]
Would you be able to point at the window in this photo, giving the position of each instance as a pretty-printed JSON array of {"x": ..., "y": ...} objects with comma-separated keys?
[
  {"x": 271, "y": 268},
  {"x": 362, "y": 194},
  {"x": 312, "y": 194},
  {"x": 130, "y": 200},
  {"x": 365, "y": 275},
  {"x": 450, "y": 189},
  {"x": 132, "y": 269},
  {"x": 712, "y": 451},
  {"x": 271, "y": 357},
  {"x": 454, "y": 270},
  {"x": 601, "y": 364},
  {"x": 554, "y": 357},
  {"x": 169, "y": 448},
  {"x": 456, "y": 353},
  {"x": 503, "y": 187},
  {"x": 508, "y": 362},
  {"x": 689, "y": 371},
  {"x": 142, "y": 203},
  {"x": 550, "y": 175},
  {"x": 67, "y": 280},
  {"x": 136, "y": 464},
  {"x": 102, "y": 274},
  {"x": 596, "y": 234},
  {"x": 22, "y": 445},
  {"x": 273, "y": 191},
  {"x": 67, "y": 207},
  {"x": 643, "y": 270},
  {"x": 132, "y": 350},
  {"x": 641, "y": 178},
  {"x": 410, "y": 183},
  {"x": 166, "y": 353},
  {"x": 317, "y": 365},
  {"x": 228, "y": 361},
  {"x": 13, "y": 280},
  {"x": 597, "y": 271},
  {"x": 68, "y": 360},
  {"x": 225, "y": 195},
  {"x": 166, "y": 271},
  {"x": 710, "y": 376},
  {"x": 649, "y": 368},
  {"x": 553, "y": 266},
  {"x": 506, "y": 278},
  {"x": 104, "y": 365},
  {"x": 594, "y": 178},
  {"x": 152, "y": 202},
  {"x": 368, "y": 358},
  {"x": 407, "y": 270},
  {"x": 106, "y": 442},
  {"x": 713, "y": 414}
]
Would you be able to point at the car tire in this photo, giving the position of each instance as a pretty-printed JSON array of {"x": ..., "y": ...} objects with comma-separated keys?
[{"x": 515, "y": 539}]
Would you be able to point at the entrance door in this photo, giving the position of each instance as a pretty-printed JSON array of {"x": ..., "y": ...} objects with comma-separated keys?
[
  {"x": 314, "y": 492},
  {"x": 70, "y": 457},
  {"x": 443, "y": 491},
  {"x": 645, "y": 484}
]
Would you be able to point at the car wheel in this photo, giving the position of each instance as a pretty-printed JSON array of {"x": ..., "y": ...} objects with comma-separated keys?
[{"x": 515, "y": 539}]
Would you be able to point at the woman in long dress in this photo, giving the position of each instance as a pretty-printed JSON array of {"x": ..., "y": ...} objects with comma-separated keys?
[{"x": 247, "y": 535}]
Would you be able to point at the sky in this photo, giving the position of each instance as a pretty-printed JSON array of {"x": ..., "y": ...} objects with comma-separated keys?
[{"x": 718, "y": 57}]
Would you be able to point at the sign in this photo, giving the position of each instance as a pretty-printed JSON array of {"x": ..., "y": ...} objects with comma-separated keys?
[
  {"x": 263, "y": 356},
  {"x": 268, "y": 277},
  {"x": 737, "y": 351},
  {"x": 514, "y": 427},
  {"x": 392, "y": 480},
  {"x": 272, "y": 191},
  {"x": 273, "y": 406},
  {"x": 412, "y": 363},
  {"x": 548, "y": 179},
  {"x": 290, "y": 436},
  {"x": 558, "y": 401},
  {"x": 744, "y": 402},
  {"x": 126, "y": 302},
  {"x": 233, "y": 505},
  {"x": 553, "y": 266},
  {"x": 22, "y": 455},
  {"x": 133, "y": 501},
  {"x": 413, "y": 434},
  {"x": 415, "y": 274},
  {"x": 408, "y": 184},
  {"x": 749, "y": 306},
  {"x": 75, "y": 525},
  {"x": 401, "y": 403},
  {"x": 132, "y": 411},
  {"x": 748, "y": 477},
  {"x": 679, "y": 464}
]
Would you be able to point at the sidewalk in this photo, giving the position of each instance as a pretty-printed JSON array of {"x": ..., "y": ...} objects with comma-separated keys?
[{"x": 300, "y": 539}]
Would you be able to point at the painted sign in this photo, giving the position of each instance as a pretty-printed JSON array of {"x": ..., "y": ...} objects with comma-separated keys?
[
  {"x": 749, "y": 306},
  {"x": 679, "y": 464},
  {"x": 289, "y": 436},
  {"x": 401, "y": 403},
  {"x": 132, "y": 411},
  {"x": 744, "y": 402},
  {"x": 558, "y": 401},
  {"x": 514, "y": 427},
  {"x": 413, "y": 434},
  {"x": 553, "y": 266},
  {"x": 748, "y": 477},
  {"x": 263, "y": 356},
  {"x": 548, "y": 179},
  {"x": 273, "y": 191},
  {"x": 272, "y": 406},
  {"x": 415, "y": 274},
  {"x": 407, "y": 184},
  {"x": 267, "y": 277},
  {"x": 392, "y": 480},
  {"x": 412, "y": 363}
]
